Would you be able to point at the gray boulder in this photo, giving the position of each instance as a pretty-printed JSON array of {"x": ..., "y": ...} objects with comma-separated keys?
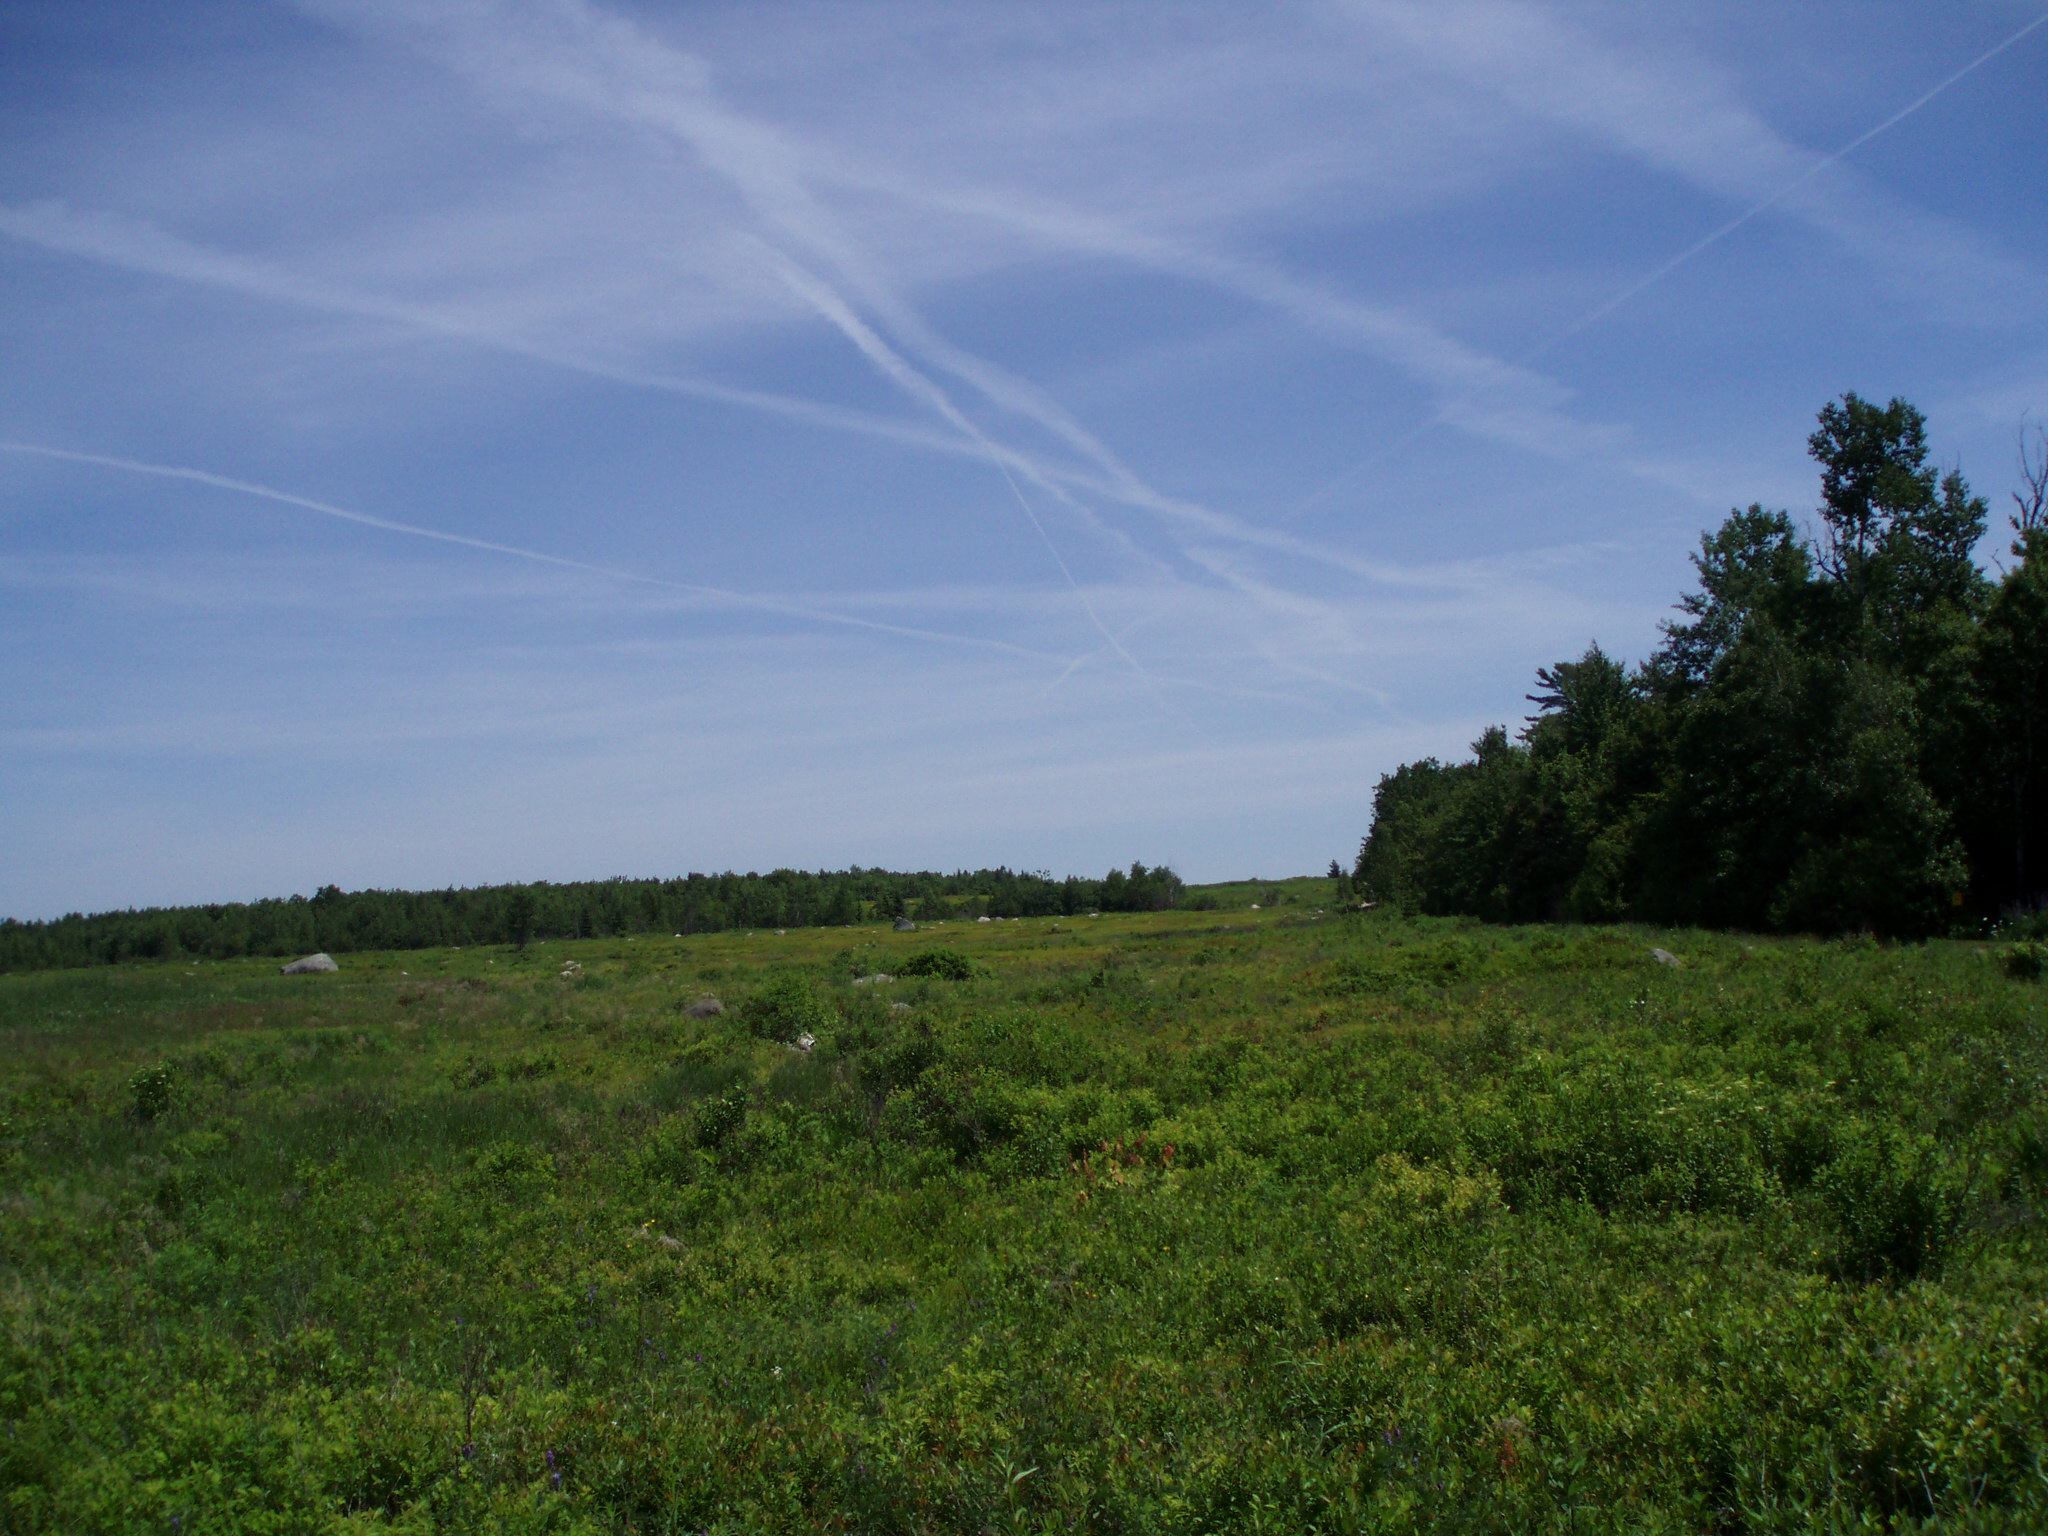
[
  {"x": 905, "y": 925},
  {"x": 706, "y": 1007},
  {"x": 1663, "y": 957},
  {"x": 307, "y": 966}
]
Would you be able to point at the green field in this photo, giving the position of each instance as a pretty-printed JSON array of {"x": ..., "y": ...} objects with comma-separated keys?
[{"x": 1178, "y": 1222}]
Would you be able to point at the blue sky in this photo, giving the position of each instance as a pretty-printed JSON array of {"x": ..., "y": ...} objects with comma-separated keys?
[{"x": 453, "y": 441}]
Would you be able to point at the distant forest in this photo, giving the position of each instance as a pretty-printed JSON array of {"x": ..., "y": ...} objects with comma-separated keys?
[
  {"x": 342, "y": 921},
  {"x": 1844, "y": 732}
]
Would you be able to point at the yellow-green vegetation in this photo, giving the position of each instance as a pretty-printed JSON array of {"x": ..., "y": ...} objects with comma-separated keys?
[{"x": 1175, "y": 1222}]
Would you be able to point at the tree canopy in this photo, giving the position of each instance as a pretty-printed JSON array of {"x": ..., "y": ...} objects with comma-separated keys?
[
  {"x": 1842, "y": 731},
  {"x": 343, "y": 921}
]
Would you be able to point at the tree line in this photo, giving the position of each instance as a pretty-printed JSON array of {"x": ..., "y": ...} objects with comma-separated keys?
[
  {"x": 340, "y": 921},
  {"x": 1846, "y": 730}
]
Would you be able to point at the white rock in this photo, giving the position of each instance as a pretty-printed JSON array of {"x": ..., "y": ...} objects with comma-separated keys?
[
  {"x": 1663, "y": 957},
  {"x": 308, "y": 965},
  {"x": 706, "y": 1007},
  {"x": 873, "y": 981}
]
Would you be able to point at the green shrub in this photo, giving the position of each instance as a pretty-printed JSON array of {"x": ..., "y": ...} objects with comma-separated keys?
[
  {"x": 2031, "y": 923},
  {"x": 2026, "y": 961},
  {"x": 1526, "y": 1236},
  {"x": 1618, "y": 1139},
  {"x": 511, "y": 1168},
  {"x": 153, "y": 1091},
  {"x": 1895, "y": 1201},
  {"x": 946, "y": 964},
  {"x": 786, "y": 1010},
  {"x": 720, "y": 1120}
]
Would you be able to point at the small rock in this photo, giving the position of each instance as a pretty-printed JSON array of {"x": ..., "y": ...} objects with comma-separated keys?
[
  {"x": 308, "y": 965},
  {"x": 899, "y": 1007},
  {"x": 981, "y": 919},
  {"x": 803, "y": 1042},
  {"x": 905, "y": 925},
  {"x": 669, "y": 1242},
  {"x": 873, "y": 981},
  {"x": 706, "y": 1007},
  {"x": 1663, "y": 957}
]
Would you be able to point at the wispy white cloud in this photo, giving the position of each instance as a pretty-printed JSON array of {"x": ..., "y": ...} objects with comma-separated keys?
[
  {"x": 942, "y": 235},
  {"x": 140, "y": 246},
  {"x": 719, "y": 596},
  {"x": 570, "y": 52},
  {"x": 1679, "y": 115}
]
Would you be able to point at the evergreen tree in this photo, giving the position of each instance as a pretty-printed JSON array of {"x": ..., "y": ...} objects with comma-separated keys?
[{"x": 1837, "y": 734}]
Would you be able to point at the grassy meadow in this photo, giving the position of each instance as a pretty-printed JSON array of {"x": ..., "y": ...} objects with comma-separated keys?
[{"x": 1283, "y": 1220}]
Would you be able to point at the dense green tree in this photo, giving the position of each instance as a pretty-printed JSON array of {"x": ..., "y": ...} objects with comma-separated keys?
[
  {"x": 1838, "y": 733},
  {"x": 342, "y": 921},
  {"x": 2012, "y": 686}
]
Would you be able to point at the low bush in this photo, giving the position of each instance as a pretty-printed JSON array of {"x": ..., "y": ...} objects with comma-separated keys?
[
  {"x": 785, "y": 1010},
  {"x": 1897, "y": 1200},
  {"x": 946, "y": 964},
  {"x": 151, "y": 1092},
  {"x": 1155, "y": 1228},
  {"x": 2027, "y": 960}
]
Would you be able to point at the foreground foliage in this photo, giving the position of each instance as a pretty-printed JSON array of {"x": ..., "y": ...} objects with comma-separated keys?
[{"x": 1168, "y": 1223}]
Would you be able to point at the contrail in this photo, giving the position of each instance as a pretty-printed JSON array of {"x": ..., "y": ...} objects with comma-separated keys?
[
  {"x": 143, "y": 248},
  {"x": 1714, "y": 237},
  {"x": 389, "y": 525},
  {"x": 897, "y": 368}
]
